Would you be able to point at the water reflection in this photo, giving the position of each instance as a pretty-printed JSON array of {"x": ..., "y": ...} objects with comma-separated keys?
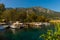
[{"x": 23, "y": 34}]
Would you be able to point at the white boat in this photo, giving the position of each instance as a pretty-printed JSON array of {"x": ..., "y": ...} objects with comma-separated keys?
[
  {"x": 16, "y": 25},
  {"x": 5, "y": 26}
]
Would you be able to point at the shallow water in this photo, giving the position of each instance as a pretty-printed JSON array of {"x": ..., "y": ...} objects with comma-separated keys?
[{"x": 23, "y": 34}]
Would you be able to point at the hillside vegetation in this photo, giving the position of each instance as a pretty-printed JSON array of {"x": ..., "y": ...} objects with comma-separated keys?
[{"x": 34, "y": 14}]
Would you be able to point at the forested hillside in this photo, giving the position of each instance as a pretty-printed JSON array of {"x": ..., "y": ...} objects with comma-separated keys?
[{"x": 34, "y": 14}]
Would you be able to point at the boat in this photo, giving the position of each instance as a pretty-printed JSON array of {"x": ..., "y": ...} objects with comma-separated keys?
[{"x": 16, "y": 25}]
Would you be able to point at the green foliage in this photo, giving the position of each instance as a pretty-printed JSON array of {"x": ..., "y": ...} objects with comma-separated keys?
[
  {"x": 42, "y": 19},
  {"x": 2, "y": 7},
  {"x": 50, "y": 35},
  {"x": 21, "y": 15},
  {"x": 6, "y": 15}
]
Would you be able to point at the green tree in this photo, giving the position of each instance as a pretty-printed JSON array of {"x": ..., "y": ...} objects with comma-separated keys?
[
  {"x": 13, "y": 14},
  {"x": 22, "y": 16},
  {"x": 42, "y": 19},
  {"x": 31, "y": 17},
  {"x": 6, "y": 15},
  {"x": 2, "y": 7}
]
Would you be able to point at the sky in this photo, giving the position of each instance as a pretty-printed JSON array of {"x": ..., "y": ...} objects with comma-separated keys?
[{"x": 49, "y": 4}]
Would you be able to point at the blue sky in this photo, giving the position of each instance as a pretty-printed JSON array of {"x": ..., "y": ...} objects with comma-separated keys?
[{"x": 50, "y": 4}]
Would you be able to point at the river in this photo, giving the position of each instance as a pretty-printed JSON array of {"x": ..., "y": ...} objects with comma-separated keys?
[{"x": 23, "y": 34}]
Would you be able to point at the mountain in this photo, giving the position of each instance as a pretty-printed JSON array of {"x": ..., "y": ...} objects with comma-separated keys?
[
  {"x": 37, "y": 10},
  {"x": 42, "y": 11}
]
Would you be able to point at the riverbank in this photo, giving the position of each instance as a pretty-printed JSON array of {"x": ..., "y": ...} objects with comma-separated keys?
[{"x": 17, "y": 24}]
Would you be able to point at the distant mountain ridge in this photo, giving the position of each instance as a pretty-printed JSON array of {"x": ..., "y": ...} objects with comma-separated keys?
[
  {"x": 40, "y": 11},
  {"x": 37, "y": 10}
]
